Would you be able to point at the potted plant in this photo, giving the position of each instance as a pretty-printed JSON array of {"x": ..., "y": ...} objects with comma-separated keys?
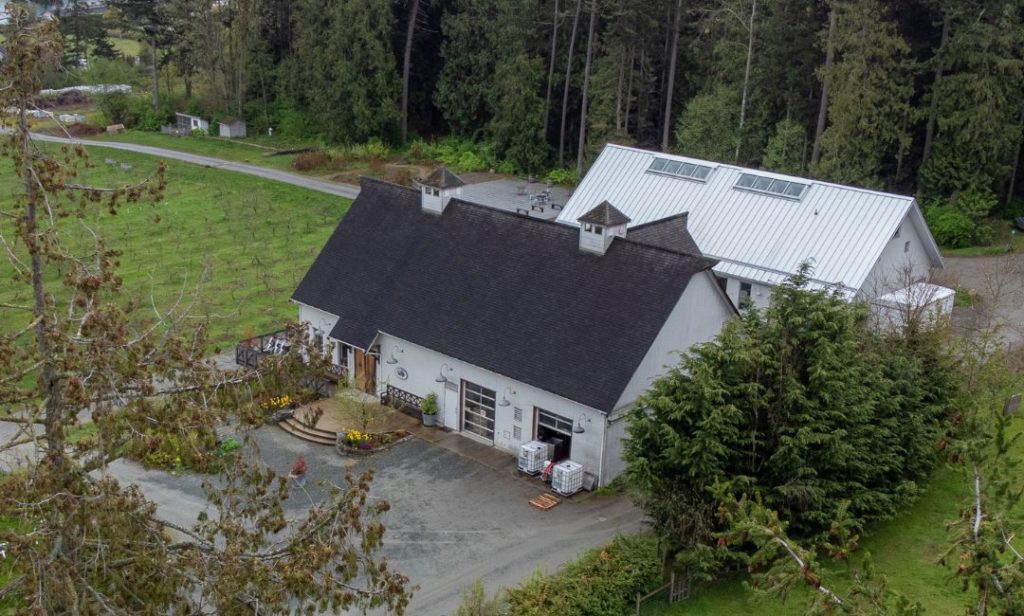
[
  {"x": 428, "y": 408},
  {"x": 298, "y": 473}
]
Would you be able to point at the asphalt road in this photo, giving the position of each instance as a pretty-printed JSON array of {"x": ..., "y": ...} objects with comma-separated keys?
[
  {"x": 324, "y": 186},
  {"x": 452, "y": 520}
]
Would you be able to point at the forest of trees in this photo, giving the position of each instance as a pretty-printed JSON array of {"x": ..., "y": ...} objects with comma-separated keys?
[{"x": 915, "y": 96}]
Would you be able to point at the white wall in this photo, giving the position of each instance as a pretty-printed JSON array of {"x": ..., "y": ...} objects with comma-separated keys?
[
  {"x": 324, "y": 321},
  {"x": 592, "y": 242},
  {"x": 615, "y": 435},
  {"x": 423, "y": 365},
  {"x": 891, "y": 270},
  {"x": 698, "y": 316},
  {"x": 760, "y": 294},
  {"x": 437, "y": 203}
]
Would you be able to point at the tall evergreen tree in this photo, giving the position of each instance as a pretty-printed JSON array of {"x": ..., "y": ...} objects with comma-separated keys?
[
  {"x": 515, "y": 102},
  {"x": 800, "y": 403},
  {"x": 978, "y": 102},
  {"x": 870, "y": 88},
  {"x": 786, "y": 151},
  {"x": 469, "y": 55},
  {"x": 343, "y": 68}
]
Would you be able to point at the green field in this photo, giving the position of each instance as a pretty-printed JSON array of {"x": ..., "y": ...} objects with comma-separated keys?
[
  {"x": 236, "y": 151},
  {"x": 906, "y": 550},
  {"x": 128, "y": 47},
  {"x": 243, "y": 243}
]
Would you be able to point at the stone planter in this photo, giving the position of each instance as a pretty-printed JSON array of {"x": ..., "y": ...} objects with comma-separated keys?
[{"x": 429, "y": 420}]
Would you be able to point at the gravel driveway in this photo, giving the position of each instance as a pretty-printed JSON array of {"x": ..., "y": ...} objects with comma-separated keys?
[
  {"x": 999, "y": 285},
  {"x": 452, "y": 520}
]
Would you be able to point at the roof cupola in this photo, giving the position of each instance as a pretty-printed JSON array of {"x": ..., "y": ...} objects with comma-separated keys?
[
  {"x": 437, "y": 189},
  {"x": 599, "y": 226}
]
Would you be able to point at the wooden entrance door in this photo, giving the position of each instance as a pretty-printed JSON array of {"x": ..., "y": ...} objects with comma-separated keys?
[{"x": 366, "y": 372}]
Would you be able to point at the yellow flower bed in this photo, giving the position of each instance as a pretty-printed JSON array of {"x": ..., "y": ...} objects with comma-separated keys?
[
  {"x": 277, "y": 402},
  {"x": 355, "y": 437}
]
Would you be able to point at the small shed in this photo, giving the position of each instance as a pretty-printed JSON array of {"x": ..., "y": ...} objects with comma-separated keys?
[
  {"x": 232, "y": 128},
  {"x": 921, "y": 300},
  {"x": 188, "y": 123}
]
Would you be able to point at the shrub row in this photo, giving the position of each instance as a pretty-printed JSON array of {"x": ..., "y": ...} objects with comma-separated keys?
[{"x": 601, "y": 582}]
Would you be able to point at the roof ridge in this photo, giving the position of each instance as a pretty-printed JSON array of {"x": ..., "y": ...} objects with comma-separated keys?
[
  {"x": 366, "y": 179},
  {"x": 700, "y": 256},
  {"x": 651, "y": 223}
]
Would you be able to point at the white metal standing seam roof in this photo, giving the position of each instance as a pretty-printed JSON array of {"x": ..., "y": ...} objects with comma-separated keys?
[{"x": 755, "y": 236}]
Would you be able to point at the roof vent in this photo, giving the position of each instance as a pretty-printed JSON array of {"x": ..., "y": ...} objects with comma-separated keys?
[
  {"x": 771, "y": 186},
  {"x": 680, "y": 169}
]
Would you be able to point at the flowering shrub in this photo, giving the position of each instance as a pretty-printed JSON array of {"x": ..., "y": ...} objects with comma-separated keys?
[
  {"x": 276, "y": 403},
  {"x": 357, "y": 438}
]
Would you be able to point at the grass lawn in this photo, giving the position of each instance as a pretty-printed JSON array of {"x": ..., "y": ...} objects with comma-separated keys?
[
  {"x": 905, "y": 549},
  {"x": 1003, "y": 236},
  {"x": 92, "y": 116},
  {"x": 126, "y": 46},
  {"x": 236, "y": 151},
  {"x": 253, "y": 238}
]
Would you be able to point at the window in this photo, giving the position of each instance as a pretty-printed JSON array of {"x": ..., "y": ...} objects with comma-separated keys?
[
  {"x": 478, "y": 410},
  {"x": 555, "y": 422},
  {"x": 906, "y": 247},
  {"x": 432, "y": 191},
  {"x": 595, "y": 229},
  {"x": 318, "y": 339},
  {"x": 343, "y": 351},
  {"x": 745, "y": 289},
  {"x": 680, "y": 169},
  {"x": 723, "y": 282},
  {"x": 772, "y": 186}
]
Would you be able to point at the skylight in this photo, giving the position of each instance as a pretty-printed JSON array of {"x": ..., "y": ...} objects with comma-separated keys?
[
  {"x": 771, "y": 186},
  {"x": 680, "y": 169}
]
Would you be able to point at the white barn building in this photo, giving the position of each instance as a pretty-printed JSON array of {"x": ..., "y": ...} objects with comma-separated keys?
[
  {"x": 760, "y": 226},
  {"x": 525, "y": 329}
]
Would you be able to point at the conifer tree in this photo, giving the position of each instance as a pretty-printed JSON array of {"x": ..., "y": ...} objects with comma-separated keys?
[
  {"x": 799, "y": 403},
  {"x": 977, "y": 101},
  {"x": 344, "y": 69},
  {"x": 870, "y": 87}
]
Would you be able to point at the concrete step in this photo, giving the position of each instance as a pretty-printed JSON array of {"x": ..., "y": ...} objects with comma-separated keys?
[
  {"x": 298, "y": 426},
  {"x": 313, "y": 435}
]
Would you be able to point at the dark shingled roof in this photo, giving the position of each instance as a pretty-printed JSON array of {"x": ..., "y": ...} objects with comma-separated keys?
[
  {"x": 441, "y": 178},
  {"x": 606, "y": 215},
  {"x": 507, "y": 293},
  {"x": 668, "y": 233}
]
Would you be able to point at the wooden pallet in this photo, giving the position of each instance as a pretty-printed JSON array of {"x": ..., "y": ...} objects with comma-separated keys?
[{"x": 545, "y": 501}]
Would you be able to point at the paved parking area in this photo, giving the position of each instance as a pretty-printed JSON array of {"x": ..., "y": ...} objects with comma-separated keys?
[{"x": 452, "y": 519}]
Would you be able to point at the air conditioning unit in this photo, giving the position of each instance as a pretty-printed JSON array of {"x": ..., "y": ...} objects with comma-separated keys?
[
  {"x": 567, "y": 478},
  {"x": 533, "y": 456}
]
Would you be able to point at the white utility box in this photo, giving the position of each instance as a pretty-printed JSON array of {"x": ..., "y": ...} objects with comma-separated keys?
[
  {"x": 567, "y": 478},
  {"x": 533, "y": 456}
]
